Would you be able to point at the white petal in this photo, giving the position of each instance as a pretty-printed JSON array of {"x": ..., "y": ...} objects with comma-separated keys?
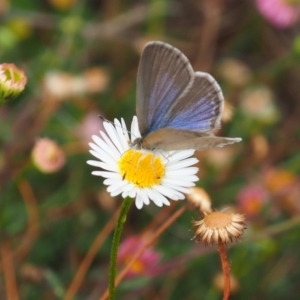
[
  {"x": 177, "y": 188},
  {"x": 182, "y": 172},
  {"x": 139, "y": 202},
  {"x": 124, "y": 194},
  {"x": 123, "y": 138},
  {"x": 135, "y": 133},
  {"x": 178, "y": 182},
  {"x": 125, "y": 131},
  {"x": 163, "y": 199},
  {"x": 129, "y": 187},
  {"x": 120, "y": 184},
  {"x": 168, "y": 192},
  {"x": 109, "y": 142},
  {"x": 113, "y": 134},
  {"x": 144, "y": 196},
  {"x": 108, "y": 167},
  {"x": 111, "y": 181},
  {"x": 116, "y": 192},
  {"x": 132, "y": 193},
  {"x": 107, "y": 174},
  {"x": 108, "y": 148},
  {"x": 102, "y": 155},
  {"x": 152, "y": 195},
  {"x": 184, "y": 178},
  {"x": 180, "y": 155},
  {"x": 182, "y": 164}
]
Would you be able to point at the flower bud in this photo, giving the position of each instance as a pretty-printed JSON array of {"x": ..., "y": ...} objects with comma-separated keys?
[
  {"x": 12, "y": 81},
  {"x": 47, "y": 156}
]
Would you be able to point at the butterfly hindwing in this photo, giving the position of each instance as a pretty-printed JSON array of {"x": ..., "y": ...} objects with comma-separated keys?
[
  {"x": 200, "y": 109},
  {"x": 174, "y": 139}
]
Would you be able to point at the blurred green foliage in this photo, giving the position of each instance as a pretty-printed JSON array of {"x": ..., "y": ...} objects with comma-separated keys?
[{"x": 51, "y": 220}]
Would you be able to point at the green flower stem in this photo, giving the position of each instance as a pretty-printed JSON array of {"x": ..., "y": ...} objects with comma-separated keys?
[{"x": 115, "y": 245}]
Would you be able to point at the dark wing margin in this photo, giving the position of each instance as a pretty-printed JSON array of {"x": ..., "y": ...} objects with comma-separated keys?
[{"x": 164, "y": 75}]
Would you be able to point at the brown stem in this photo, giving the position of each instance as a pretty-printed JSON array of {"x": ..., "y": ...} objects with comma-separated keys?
[
  {"x": 149, "y": 242},
  {"x": 33, "y": 230},
  {"x": 212, "y": 10},
  {"x": 85, "y": 264},
  {"x": 226, "y": 270},
  {"x": 159, "y": 218},
  {"x": 8, "y": 271}
]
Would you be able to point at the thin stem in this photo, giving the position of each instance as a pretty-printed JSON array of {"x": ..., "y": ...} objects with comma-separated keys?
[
  {"x": 115, "y": 245},
  {"x": 226, "y": 270},
  {"x": 86, "y": 262},
  {"x": 8, "y": 271},
  {"x": 212, "y": 12},
  {"x": 149, "y": 242}
]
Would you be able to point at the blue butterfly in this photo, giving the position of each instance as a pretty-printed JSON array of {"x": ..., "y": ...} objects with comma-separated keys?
[{"x": 177, "y": 108}]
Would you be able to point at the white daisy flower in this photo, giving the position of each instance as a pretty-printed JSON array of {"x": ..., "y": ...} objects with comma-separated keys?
[{"x": 138, "y": 173}]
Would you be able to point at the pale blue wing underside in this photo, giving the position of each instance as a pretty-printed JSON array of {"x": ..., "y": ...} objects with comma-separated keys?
[
  {"x": 176, "y": 108},
  {"x": 164, "y": 75},
  {"x": 199, "y": 109}
]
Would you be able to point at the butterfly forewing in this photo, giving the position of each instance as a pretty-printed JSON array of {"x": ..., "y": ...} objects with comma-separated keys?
[{"x": 164, "y": 75}]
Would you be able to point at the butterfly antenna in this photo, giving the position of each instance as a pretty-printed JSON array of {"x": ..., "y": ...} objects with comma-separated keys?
[{"x": 104, "y": 119}]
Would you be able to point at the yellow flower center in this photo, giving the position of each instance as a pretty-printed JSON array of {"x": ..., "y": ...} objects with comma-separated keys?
[{"x": 142, "y": 169}]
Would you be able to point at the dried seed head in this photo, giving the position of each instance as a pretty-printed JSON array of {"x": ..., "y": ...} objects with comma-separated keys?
[{"x": 219, "y": 227}]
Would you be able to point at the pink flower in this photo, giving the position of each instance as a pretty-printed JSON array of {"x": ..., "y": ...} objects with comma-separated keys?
[
  {"x": 90, "y": 125},
  {"x": 47, "y": 156},
  {"x": 147, "y": 263},
  {"x": 280, "y": 13},
  {"x": 251, "y": 199}
]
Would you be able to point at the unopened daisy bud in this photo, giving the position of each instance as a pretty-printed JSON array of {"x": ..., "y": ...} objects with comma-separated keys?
[
  {"x": 219, "y": 227},
  {"x": 198, "y": 199},
  {"x": 12, "y": 81},
  {"x": 219, "y": 283},
  {"x": 47, "y": 156}
]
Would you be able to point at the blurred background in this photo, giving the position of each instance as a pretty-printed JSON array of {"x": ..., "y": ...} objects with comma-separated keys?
[{"x": 81, "y": 60}]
